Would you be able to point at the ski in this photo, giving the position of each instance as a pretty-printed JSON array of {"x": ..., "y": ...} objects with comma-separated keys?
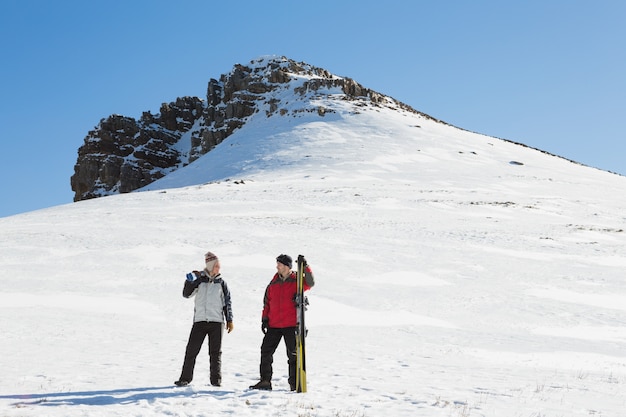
[{"x": 301, "y": 303}]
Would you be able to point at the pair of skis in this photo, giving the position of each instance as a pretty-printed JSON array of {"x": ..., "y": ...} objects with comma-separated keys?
[{"x": 301, "y": 303}]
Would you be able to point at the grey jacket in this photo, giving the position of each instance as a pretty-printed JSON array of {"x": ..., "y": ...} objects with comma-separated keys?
[{"x": 212, "y": 299}]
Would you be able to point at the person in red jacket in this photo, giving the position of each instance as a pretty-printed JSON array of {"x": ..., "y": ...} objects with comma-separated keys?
[{"x": 279, "y": 319}]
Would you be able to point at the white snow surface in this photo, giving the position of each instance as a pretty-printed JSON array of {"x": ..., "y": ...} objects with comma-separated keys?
[{"x": 456, "y": 275}]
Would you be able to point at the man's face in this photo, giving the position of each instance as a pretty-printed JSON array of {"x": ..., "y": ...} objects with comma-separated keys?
[{"x": 282, "y": 269}]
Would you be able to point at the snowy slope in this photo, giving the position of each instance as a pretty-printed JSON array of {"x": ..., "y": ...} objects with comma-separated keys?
[{"x": 457, "y": 275}]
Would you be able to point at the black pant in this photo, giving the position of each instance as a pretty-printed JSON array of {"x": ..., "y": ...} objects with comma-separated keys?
[
  {"x": 268, "y": 347},
  {"x": 199, "y": 331}
]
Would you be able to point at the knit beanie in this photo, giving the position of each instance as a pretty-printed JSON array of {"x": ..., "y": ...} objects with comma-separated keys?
[
  {"x": 210, "y": 258},
  {"x": 285, "y": 260}
]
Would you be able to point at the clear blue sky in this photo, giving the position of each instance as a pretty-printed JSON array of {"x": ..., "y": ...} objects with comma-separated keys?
[{"x": 548, "y": 73}]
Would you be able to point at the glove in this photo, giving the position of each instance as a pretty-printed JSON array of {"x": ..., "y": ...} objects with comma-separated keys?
[
  {"x": 201, "y": 276},
  {"x": 265, "y": 324},
  {"x": 230, "y": 326},
  {"x": 195, "y": 274},
  {"x": 304, "y": 261},
  {"x": 196, "y": 278}
]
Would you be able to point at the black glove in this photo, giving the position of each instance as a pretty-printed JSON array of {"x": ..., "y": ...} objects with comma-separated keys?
[
  {"x": 265, "y": 324},
  {"x": 201, "y": 277}
]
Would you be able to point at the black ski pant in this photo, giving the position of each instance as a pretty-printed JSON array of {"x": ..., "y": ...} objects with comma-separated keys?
[
  {"x": 199, "y": 331},
  {"x": 271, "y": 340}
]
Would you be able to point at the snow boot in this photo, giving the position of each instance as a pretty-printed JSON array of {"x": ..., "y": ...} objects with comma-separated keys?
[{"x": 263, "y": 385}]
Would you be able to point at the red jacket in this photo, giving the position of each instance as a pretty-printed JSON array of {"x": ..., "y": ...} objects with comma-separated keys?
[{"x": 278, "y": 304}]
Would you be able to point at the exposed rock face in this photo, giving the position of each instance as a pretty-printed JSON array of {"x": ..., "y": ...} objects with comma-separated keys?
[{"x": 122, "y": 154}]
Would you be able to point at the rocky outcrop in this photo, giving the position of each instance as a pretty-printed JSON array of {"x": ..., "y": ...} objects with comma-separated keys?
[{"x": 122, "y": 154}]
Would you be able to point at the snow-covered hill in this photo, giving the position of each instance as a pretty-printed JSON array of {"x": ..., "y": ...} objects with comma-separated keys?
[{"x": 457, "y": 275}]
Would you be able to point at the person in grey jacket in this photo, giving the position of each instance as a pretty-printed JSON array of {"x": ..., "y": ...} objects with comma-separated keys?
[{"x": 212, "y": 307}]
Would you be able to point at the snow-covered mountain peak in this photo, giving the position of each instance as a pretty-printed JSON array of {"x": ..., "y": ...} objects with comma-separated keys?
[{"x": 122, "y": 154}]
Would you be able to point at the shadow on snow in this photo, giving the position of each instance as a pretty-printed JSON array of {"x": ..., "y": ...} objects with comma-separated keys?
[{"x": 108, "y": 397}]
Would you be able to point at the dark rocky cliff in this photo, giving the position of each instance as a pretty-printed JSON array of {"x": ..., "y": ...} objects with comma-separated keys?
[{"x": 122, "y": 154}]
